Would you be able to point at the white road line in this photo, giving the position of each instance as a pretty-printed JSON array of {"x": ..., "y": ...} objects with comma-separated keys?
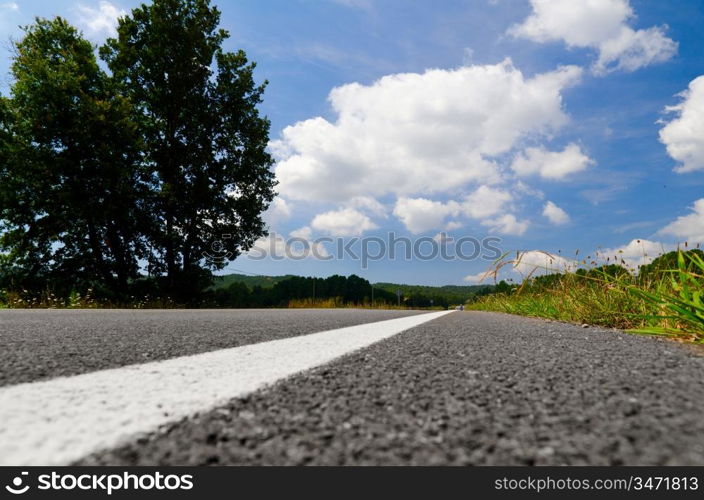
[{"x": 58, "y": 421}]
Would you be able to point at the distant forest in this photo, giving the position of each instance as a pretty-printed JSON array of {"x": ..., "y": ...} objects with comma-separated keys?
[{"x": 239, "y": 290}]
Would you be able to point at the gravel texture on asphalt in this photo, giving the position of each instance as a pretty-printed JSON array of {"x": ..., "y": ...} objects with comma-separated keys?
[
  {"x": 57, "y": 421},
  {"x": 468, "y": 388},
  {"x": 41, "y": 344}
]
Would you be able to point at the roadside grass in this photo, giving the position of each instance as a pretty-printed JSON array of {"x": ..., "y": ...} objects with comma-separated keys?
[
  {"x": 667, "y": 303},
  {"x": 48, "y": 300}
]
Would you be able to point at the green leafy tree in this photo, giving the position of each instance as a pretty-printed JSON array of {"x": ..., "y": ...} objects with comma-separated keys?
[
  {"x": 70, "y": 188},
  {"x": 204, "y": 139},
  {"x": 665, "y": 265},
  {"x": 608, "y": 272}
]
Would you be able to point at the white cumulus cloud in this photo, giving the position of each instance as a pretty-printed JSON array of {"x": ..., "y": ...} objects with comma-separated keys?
[
  {"x": 420, "y": 214},
  {"x": 684, "y": 135},
  {"x": 369, "y": 205},
  {"x": 418, "y": 133},
  {"x": 601, "y": 25},
  {"x": 555, "y": 214},
  {"x": 536, "y": 262},
  {"x": 506, "y": 224},
  {"x": 485, "y": 201},
  {"x": 554, "y": 165},
  {"x": 690, "y": 227},
  {"x": 278, "y": 211},
  {"x": 479, "y": 278},
  {"x": 634, "y": 254},
  {"x": 100, "y": 20},
  {"x": 343, "y": 222},
  {"x": 304, "y": 233}
]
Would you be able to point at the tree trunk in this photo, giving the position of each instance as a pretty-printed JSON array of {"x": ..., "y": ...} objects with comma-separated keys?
[
  {"x": 117, "y": 245},
  {"x": 98, "y": 254}
]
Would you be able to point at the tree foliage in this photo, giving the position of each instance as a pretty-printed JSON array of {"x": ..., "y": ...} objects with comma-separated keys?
[
  {"x": 107, "y": 175},
  {"x": 238, "y": 290},
  {"x": 70, "y": 185},
  {"x": 205, "y": 143},
  {"x": 667, "y": 263},
  {"x": 347, "y": 289}
]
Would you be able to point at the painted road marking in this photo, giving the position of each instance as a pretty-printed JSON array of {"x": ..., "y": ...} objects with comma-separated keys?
[{"x": 58, "y": 421}]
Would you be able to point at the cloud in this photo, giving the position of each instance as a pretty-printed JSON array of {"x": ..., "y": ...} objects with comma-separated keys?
[
  {"x": 485, "y": 202},
  {"x": 689, "y": 228},
  {"x": 442, "y": 238},
  {"x": 482, "y": 277},
  {"x": 274, "y": 245},
  {"x": 555, "y": 214},
  {"x": 597, "y": 24},
  {"x": 535, "y": 262},
  {"x": 684, "y": 135},
  {"x": 11, "y": 6},
  {"x": 343, "y": 222},
  {"x": 521, "y": 187},
  {"x": 634, "y": 254},
  {"x": 100, "y": 20},
  {"x": 278, "y": 211},
  {"x": 9, "y": 14},
  {"x": 507, "y": 224},
  {"x": 420, "y": 214},
  {"x": 369, "y": 205},
  {"x": 305, "y": 233},
  {"x": 632, "y": 50},
  {"x": 418, "y": 133},
  {"x": 554, "y": 165}
]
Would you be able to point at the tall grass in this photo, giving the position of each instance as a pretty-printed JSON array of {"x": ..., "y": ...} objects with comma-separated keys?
[
  {"x": 678, "y": 300},
  {"x": 668, "y": 303}
]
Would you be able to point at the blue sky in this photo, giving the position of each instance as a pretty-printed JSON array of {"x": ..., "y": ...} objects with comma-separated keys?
[{"x": 541, "y": 123}]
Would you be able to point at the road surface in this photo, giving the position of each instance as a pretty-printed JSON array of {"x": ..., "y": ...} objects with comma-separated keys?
[
  {"x": 40, "y": 344},
  {"x": 380, "y": 387}
]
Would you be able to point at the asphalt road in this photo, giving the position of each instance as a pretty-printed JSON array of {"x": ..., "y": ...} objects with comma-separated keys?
[
  {"x": 42, "y": 344},
  {"x": 466, "y": 388}
]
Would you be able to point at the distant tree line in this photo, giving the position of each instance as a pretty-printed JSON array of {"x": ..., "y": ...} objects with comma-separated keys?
[
  {"x": 436, "y": 295},
  {"x": 350, "y": 290},
  {"x": 664, "y": 264},
  {"x": 110, "y": 177}
]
